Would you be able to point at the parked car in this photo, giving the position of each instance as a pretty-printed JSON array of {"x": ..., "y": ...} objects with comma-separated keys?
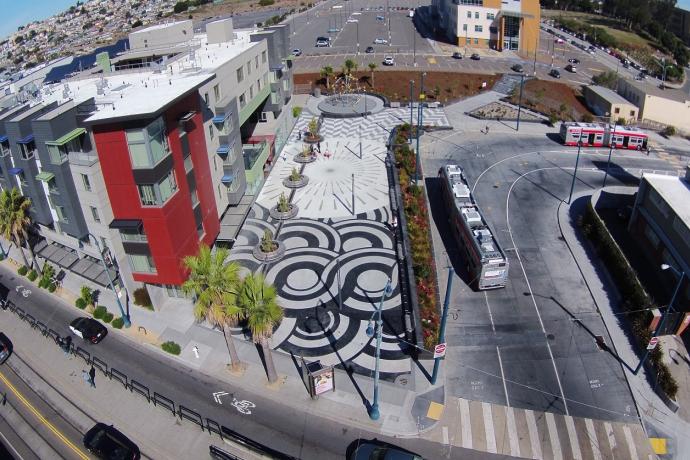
[
  {"x": 378, "y": 450},
  {"x": 322, "y": 42},
  {"x": 457, "y": 55},
  {"x": 5, "y": 348},
  {"x": 388, "y": 60},
  {"x": 88, "y": 329},
  {"x": 571, "y": 68},
  {"x": 352, "y": 20},
  {"x": 107, "y": 442},
  {"x": 380, "y": 41},
  {"x": 574, "y": 61},
  {"x": 559, "y": 40},
  {"x": 297, "y": 52},
  {"x": 555, "y": 73},
  {"x": 370, "y": 49},
  {"x": 380, "y": 18},
  {"x": 517, "y": 68},
  {"x": 475, "y": 57}
]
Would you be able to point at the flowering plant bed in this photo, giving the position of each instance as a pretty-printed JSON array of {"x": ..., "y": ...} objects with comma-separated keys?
[{"x": 419, "y": 233}]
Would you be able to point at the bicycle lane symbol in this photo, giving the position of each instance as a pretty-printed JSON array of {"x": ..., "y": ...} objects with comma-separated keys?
[{"x": 23, "y": 292}]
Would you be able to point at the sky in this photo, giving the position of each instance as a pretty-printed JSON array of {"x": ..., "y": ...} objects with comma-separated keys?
[
  {"x": 17, "y": 13},
  {"x": 685, "y": 4}
]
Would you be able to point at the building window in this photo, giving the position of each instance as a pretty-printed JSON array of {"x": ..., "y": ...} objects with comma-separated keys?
[
  {"x": 476, "y": 15},
  {"x": 258, "y": 84},
  {"x": 167, "y": 187},
  {"x": 210, "y": 131},
  {"x": 659, "y": 202},
  {"x": 490, "y": 16},
  {"x": 256, "y": 62},
  {"x": 266, "y": 79},
  {"x": 188, "y": 165},
  {"x": 57, "y": 154},
  {"x": 240, "y": 75},
  {"x": 206, "y": 99},
  {"x": 200, "y": 230},
  {"x": 61, "y": 214},
  {"x": 148, "y": 146},
  {"x": 147, "y": 193},
  {"x": 243, "y": 101},
  {"x": 195, "y": 198},
  {"x": 141, "y": 263},
  {"x": 94, "y": 214},
  {"x": 263, "y": 57},
  {"x": 175, "y": 291},
  {"x": 464, "y": 27},
  {"x": 216, "y": 92},
  {"x": 263, "y": 117},
  {"x": 4, "y": 148},
  {"x": 158, "y": 194},
  {"x": 469, "y": 15},
  {"x": 27, "y": 150},
  {"x": 133, "y": 235},
  {"x": 85, "y": 181},
  {"x": 632, "y": 113},
  {"x": 251, "y": 91},
  {"x": 617, "y": 110},
  {"x": 249, "y": 68},
  {"x": 476, "y": 41},
  {"x": 478, "y": 28},
  {"x": 651, "y": 236},
  {"x": 468, "y": 41}
]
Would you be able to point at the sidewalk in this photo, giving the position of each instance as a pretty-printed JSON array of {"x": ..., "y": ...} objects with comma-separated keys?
[{"x": 658, "y": 420}]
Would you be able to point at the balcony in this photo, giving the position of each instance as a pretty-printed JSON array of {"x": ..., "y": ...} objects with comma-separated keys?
[
  {"x": 255, "y": 156},
  {"x": 83, "y": 158},
  {"x": 254, "y": 104}
]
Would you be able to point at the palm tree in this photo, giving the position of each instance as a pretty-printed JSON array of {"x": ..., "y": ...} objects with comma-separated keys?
[
  {"x": 349, "y": 66},
  {"x": 214, "y": 284},
  {"x": 327, "y": 73},
  {"x": 15, "y": 220},
  {"x": 258, "y": 301},
  {"x": 372, "y": 67}
]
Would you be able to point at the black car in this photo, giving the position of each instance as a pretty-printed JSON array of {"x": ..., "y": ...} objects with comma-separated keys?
[
  {"x": 106, "y": 442},
  {"x": 517, "y": 68},
  {"x": 555, "y": 73},
  {"x": 574, "y": 61},
  {"x": 379, "y": 450},
  {"x": 457, "y": 55},
  {"x": 88, "y": 329},
  {"x": 5, "y": 348},
  {"x": 370, "y": 49},
  {"x": 475, "y": 57}
]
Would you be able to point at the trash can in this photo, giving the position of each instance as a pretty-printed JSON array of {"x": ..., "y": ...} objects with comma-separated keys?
[{"x": 317, "y": 92}]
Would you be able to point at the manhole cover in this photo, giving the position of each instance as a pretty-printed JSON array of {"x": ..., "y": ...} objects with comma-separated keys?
[{"x": 551, "y": 337}]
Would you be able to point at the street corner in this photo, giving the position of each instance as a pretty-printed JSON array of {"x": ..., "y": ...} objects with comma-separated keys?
[
  {"x": 659, "y": 446},
  {"x": 428, "y": 408}
]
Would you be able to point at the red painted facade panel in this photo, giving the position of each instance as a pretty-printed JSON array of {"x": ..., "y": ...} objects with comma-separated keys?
[{"x": 170, "y": 229}]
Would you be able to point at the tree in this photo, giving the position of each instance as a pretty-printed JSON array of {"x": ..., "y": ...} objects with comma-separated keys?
[
  {"x": 349, "y": 66},
  {"x": 214, "y": 284},
  {"x": 15, "y": 220},
  {"x": 258, "y": 301},
  {"x": 372, "y": 67},
  {"x": 327, "y": 73}
]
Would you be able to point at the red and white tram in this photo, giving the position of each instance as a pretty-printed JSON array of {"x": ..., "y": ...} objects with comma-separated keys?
[{"x": 599, "y": 135}]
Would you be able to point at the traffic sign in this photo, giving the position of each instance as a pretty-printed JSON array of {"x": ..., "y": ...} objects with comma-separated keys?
[
  {"x": 652, "y": 343},
  {"x": 440, "y": 350}
]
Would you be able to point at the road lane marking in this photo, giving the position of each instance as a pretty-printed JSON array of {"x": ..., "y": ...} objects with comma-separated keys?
[
  {"x": 553, "y": 436},
  {"x": 445, "y": 435},
  {"x": 489, "y": 428},
  {"x": 42, "y": 419},
  {"x": 533, "y": 434},
  {"x": 512, "y": 432},
  {"x": 503, "y": 376},
  {"x": 465, "y": 423},
  {"x": 491, "y": 316},
  {"x": 629, "y": 440},
  {"x": 594, "y": 442},
  {"x": 572, "y": 436}
]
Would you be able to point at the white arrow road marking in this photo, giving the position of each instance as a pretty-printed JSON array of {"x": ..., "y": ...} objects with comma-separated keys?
[{"x": 217, "y": 395}]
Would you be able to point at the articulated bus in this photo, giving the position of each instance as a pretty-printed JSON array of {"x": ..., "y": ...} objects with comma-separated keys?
[
  {"x": 603, "y": 135},
  {"x": 485, "y": 260}
]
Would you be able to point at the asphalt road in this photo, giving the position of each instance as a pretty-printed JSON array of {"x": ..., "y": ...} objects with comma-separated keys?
[
  {"x": 532, "y": 344},
  {"x": 285, "y": 428}
]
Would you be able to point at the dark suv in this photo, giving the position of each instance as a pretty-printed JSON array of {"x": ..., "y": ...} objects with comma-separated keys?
[
  {"x": 5, "y": 348},
  {"x": 106, "y": 442}
]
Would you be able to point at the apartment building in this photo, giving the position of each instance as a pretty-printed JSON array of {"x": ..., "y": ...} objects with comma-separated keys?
[
  {"x": 495, "y": 24},
  {"x": 140, "y": 157}
]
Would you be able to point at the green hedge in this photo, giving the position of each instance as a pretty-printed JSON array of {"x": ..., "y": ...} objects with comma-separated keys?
[
  {"x": 634, "y": 296},
  {"x": 107, "y": 317},
  {"x": 52, "y": 287},
  {"x": 171, "y": 347},
  {"x": 100, "y": 312},
  {"x": 32, "y": 275},
  {"x": 23, "y": 270},
  {"x": 117, "y": 323},
  {"x": 80, "y": 303}
]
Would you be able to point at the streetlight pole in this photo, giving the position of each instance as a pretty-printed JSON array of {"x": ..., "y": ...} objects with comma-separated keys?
[
  {"x": 577, "y": 161},
  {"x": 420, "y": 121},
  {"x": 522, "y": 81},
  {"x": 374, "y": 413},
  {"x": 125, "y": 317},
  {"x": 411, "y": 109},
  {"x": 668, "y": 311},
  {"x": 357, "y": 37},
  {"x": 442, "y": 331},
  {"x": 608, "y": 162},
  {"x": 536, "y": 45}
]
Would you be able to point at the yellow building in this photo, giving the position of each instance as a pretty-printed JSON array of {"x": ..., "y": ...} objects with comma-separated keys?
[{"x": 496, "y": 24}]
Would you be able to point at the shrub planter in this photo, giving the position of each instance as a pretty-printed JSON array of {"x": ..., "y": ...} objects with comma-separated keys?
[
  {"x": 280, "y": 215},
  {"x": 310, "y": 138},
  {"x": 303, "y": 159},
  {"x": 272, "y": 256},
  {"x": 301, "y": 182}
]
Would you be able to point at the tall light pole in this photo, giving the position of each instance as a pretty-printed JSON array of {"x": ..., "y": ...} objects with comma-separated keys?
[
  {"x": 411, "y": 109},
  {"x": 125, "y": 317},
  {"x": 420, "y": 121},
  {"x": 577, "y": 161},
  {"x": 357, "y": 23},
  {"x": 444, "y": 317},
  {"x": 608, "y": 162},
  {"x": 660, "y": 328},
  {"x": 374, "y": 413},
  {"x": 522, "y": 83}
]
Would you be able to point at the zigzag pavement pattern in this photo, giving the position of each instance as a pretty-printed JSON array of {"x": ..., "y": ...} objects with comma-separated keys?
[{"x": 538, "y": 435}]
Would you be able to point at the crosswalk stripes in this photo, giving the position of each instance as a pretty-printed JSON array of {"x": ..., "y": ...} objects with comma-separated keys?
[
  {"x": 572, "y": 435},
  {"x": 512, "y": 432},
  {"x": 465, "y": 422},
  {"x": 489, "y": 432},
  {"x": 593, "y": 441},
  {"x": 533, "y": 434},
  {"x": 553, "y": 436},
  {"x": 609, "y": 435},
  {"x": 630, "y": 441}
]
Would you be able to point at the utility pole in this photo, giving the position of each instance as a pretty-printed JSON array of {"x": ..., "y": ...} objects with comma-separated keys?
[
  {"x": 420, "y": 121},
  {"x": 522, "y": 81},
  {"x": 357, "y": 23},
  {"x": 353, "y": 194},
  {"x": 444, "y": 317},
  {"x": 536, "y": 45},
  {"x": 577, "y": 161},
  {"x": 608, "y": 162},
  {"x": 387, "y": 291},
  {"x": 125, "y": 316},
  {"x": 411, "y": 109}
]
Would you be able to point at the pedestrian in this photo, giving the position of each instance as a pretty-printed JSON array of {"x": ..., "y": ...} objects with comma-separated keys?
[
  {"x": 85, "y": 376},
  {"x": 66, "y": 344},
  {"x": 394, "y": 223},
  {"x": 92, "y": 376},
  {"x": 487, "y": 130},
  {"x": 299, "y": 134},
  {"x": 318, "y": 146}
]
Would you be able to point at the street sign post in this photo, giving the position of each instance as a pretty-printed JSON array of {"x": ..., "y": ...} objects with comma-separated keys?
[
  {"x": 440, "y": 350},
  {"x": 653, "y": 342}
]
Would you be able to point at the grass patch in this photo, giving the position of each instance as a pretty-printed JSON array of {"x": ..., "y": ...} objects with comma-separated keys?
[{"x": 171, "y": 347}]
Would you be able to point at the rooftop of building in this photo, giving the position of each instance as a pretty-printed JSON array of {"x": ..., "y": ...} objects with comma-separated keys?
[
  {"x": 650, "y": 88},
  {"x": 146, "y": 91},
  {"x": 675, "y": 191},
  {"x": 609, "y": 95}
]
